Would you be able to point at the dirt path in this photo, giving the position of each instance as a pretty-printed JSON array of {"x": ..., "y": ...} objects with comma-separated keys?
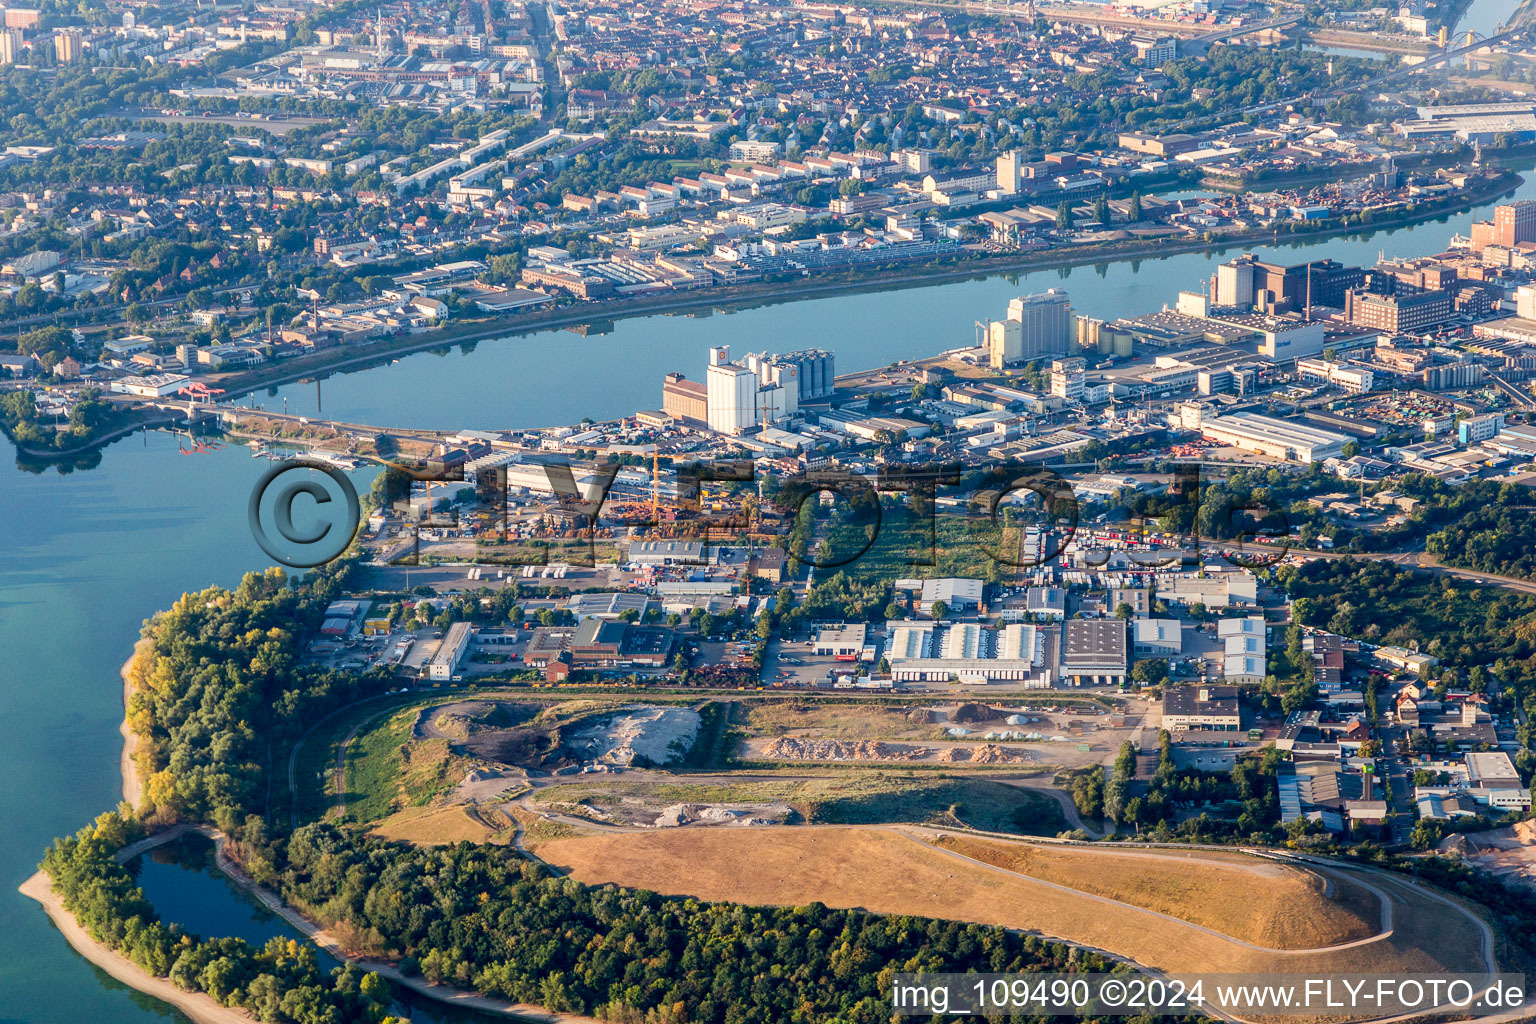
[{"x": 1064, "y": 801}]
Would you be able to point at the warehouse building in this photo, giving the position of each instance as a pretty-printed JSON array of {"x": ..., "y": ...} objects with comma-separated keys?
[
  {"x": 968, "y": 653},
  {"x": 449, "y": 654},
  {"x": 667, "y": 552},
  {"x": 958, "y": 594},
  {"x": 845, "y": 643},
  {"x": 1281, "y": 439},
  {"x": 1094, "y": 652},
  {"x": 1214, "y": 590},
  {"x": 1158, "y": 638}
]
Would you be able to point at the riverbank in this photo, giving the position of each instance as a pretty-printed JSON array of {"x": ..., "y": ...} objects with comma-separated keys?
[
  {"x": 769, "y": 293},
  {"x": 203, "y": 1009},
  {"x": 133, "y": 781}
]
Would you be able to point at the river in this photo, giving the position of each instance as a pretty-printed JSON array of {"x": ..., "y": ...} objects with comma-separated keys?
[
  {"x": 554, "y": 377},
  {"x": 89, "y": 554},
  {"x": 1485, "y": 16}
]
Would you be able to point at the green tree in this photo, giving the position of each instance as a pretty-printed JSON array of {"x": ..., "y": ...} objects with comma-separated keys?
[{"x": 1063, "y": 215}]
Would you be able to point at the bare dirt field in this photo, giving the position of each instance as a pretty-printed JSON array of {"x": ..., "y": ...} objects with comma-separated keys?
[
  {"x": 844, "y": 721},
  {"x": 844, "y": 798},
  {"x": 792, "y": 748},
  {"x": 551, "y": 736},
  {"x": 1283, "y": 906},
  {"x": 1509, "y": 853},
  {"x": 899, "y": 871}
]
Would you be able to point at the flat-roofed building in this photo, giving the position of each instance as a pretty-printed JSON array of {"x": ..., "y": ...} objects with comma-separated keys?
[
  {"x": 1281, "y": 439},
  {"x": 606, "y": 606},
  {"x": 1157, "y": 638},
  {"x": 1046, "y": 602},
  {"x": 1137, "y": 599},
  {"x": 845, "y": 643},
  {"x": 685, "y": 400},
  {"x": 959, "y": 594},
  {"x": 667, "y": 552},
  {"x": 1495, "y": 781},
  {"x": 449, "y": 653},
  {"x": 1248, "y": 625},
  {"x": 1201, "y": 707},
  {"x": 1094, "y": 652},
  {"x": 1399, "y": 314},
  {"x": 1218, "y": 590},
  {"x": 968, "y": 653}
]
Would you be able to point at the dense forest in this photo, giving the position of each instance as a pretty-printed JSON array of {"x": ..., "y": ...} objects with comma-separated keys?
[
  {"x": 1489, "y": 527},
  {"x": 220, "y": 689}
]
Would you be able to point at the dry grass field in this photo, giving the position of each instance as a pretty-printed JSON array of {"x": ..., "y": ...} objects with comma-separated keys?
[
  {"x": 844, "y": 721},
  {"x": 443, "y": 826},
  {"x": 1283, "y": 907},
  {"x": 898, "y": 872}
]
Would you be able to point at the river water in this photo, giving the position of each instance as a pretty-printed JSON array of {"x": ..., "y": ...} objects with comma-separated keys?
[
  {"x": 554, "y": 377},
  {"x": 90, "y": 553},
  {"x": 1485, "y": 16}
]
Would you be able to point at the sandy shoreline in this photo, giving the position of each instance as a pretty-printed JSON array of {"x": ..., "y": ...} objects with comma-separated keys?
[
  {"x": 133, "y": 784},
  {"x": 201, "y": 1008}
]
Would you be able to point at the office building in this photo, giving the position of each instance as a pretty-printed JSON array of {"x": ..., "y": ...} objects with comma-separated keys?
[
  {"x": 1397, "y": 277},
  {"x": 1398, "y": 314},
  {"x": 731, "y": 394},
  {"x": 1281, "y": 439},
  {"x": 1045, "y": 323},
  {"x": 1480, "y": 428},
  {"x": 1351, "y": 379},
  {"x": 1236, "y": 380}
]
